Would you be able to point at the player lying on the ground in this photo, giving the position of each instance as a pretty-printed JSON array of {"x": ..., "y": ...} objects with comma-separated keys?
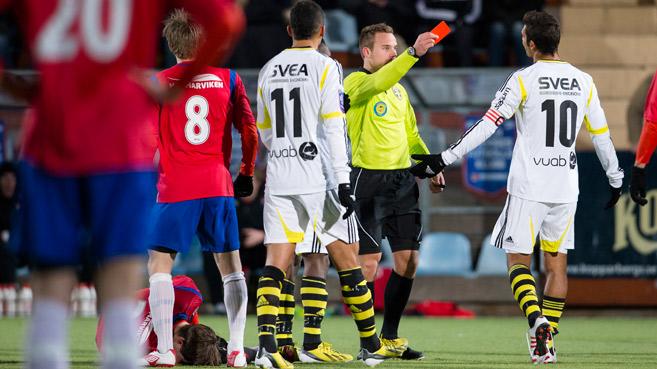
[
  {"x": 194, "y": 343},
  {"x": 550, "y": 101}
]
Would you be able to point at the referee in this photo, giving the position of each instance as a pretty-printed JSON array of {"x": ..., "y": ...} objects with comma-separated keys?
[{"x": 383, "y": 133}]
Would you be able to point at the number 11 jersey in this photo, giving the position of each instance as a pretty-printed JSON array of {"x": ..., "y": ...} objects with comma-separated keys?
[{"x": 301, "y": 122}]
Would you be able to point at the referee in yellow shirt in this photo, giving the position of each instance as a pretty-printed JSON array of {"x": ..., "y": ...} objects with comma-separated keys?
[{"x": 383, "y": 133}]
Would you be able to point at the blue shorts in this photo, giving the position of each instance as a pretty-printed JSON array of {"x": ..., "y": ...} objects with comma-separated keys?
[
  {"x": 213, "y": 219},
  {"x": 62, "y": 215}
]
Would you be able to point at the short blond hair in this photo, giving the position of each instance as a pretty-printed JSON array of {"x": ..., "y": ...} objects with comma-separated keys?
[
  {"x": 367, "y": 34},
  {"x": 183, "y": 35}
]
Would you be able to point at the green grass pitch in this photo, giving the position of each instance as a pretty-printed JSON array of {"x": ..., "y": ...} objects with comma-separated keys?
[{"x": 448, "y": 343}]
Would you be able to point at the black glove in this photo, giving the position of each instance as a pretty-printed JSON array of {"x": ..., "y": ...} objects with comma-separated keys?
[
  {"x": 638, "y": 186},
  {"x": 429, "y": 165},
  {"x": 243, "y": 186},
  {"x": 346, "y": 200},
  {"x": 346, "y": 103},
  {"x": 615, "y": 195}
]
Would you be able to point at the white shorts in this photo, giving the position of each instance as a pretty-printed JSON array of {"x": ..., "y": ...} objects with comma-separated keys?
[
  {"x": 293, "y": 218},
  {"x": 311, "y": 243},
  {"x": 522, "y": 220}
]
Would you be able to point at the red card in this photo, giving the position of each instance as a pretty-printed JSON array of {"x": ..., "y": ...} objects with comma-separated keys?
[{"x": 441, "y": 30}]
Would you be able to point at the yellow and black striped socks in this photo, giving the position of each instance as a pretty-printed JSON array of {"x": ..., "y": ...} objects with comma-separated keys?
[
  {"x": 552, "y": 310},
  {"x": 313, "y": 298},
  {"x": 359, "y": 299},
  {"x": 524, "y": 291},
  {"x": 285, "y": 314},
  {"x": 268, "y": 295}
]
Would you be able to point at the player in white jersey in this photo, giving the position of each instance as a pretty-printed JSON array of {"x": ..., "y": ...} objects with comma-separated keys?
[
  {"x": 550, "y": 100},
  {"x": 299, "y": 111},
  {"x": 314, "y": 297}
]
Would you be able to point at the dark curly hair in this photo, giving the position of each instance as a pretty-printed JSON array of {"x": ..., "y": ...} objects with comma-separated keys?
[{"x": 543, "y": 29}]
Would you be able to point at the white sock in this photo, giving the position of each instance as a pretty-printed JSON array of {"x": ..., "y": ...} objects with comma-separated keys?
[
  {"x": 10, "y": 301},
  {"x": 46, "y": 346},
  {"x": 120, "y": 348},
  {"x": 235, "y": 298},
  {"x": 161, "y": 302}
]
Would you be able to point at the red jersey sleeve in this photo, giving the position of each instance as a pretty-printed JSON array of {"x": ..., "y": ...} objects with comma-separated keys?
[
  {"x": 648, "y": 139},
  {"x": 650, "y": 110},
  {"x": 647, "y": 142},
  {"x": 244, "y": 122}
]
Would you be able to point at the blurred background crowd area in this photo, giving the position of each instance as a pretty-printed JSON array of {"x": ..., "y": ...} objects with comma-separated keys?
[{"x": 487, "y": 31}]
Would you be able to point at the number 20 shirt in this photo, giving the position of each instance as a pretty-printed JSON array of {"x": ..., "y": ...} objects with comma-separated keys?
[
  {"x": 91, "y": 116},
  {"x": 550, "y": 101},
  {"x": 194, "y": 135}
]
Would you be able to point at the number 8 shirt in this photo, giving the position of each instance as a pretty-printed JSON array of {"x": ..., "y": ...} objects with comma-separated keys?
[{"x": 194, "y": 134}]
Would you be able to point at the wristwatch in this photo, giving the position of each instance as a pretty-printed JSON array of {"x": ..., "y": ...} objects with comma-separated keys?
[{"x": 411, "y": 52}]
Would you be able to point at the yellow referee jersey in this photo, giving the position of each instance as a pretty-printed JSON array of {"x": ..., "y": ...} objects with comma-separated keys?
[{"x": 381, "y": 121}]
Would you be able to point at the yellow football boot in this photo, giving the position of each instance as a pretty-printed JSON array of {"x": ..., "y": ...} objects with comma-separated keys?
[{"x": 324, "y": 353}]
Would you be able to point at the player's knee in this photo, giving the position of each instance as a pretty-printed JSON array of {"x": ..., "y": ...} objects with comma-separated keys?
[
  {"x": 315, "y": 265},
  {"x": 406, "y": 262},
  {"x": 369, "y": 263},
  {"x": 555, "y": 264},
  {"x": 160, "y": 260},
  {"x": 555, "y": 271},
  {"x": 407, "y": 270}
]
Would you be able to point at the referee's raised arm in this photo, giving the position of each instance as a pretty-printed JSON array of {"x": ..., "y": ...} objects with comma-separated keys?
[{"x": 382, "y": 68}]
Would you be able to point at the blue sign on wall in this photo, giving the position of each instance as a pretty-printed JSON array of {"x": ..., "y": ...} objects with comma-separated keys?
[{"x": 486, "y": 169}]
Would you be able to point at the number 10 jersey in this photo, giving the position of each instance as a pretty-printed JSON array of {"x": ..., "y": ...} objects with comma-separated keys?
[
  {"x": 550, "y": 100},
  {"x": 301, "y": 122}
]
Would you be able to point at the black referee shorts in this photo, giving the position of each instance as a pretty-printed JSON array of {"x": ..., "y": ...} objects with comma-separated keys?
[{"x": 387, "y": 207}]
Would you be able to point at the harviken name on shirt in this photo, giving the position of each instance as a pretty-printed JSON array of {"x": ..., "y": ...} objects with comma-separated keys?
[{"x": 204, "y": 85}]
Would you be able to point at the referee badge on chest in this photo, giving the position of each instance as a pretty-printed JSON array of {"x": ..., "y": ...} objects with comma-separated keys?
[
  {"x": 397, "y": 93},
  {"x": 380, "y": 109}
]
